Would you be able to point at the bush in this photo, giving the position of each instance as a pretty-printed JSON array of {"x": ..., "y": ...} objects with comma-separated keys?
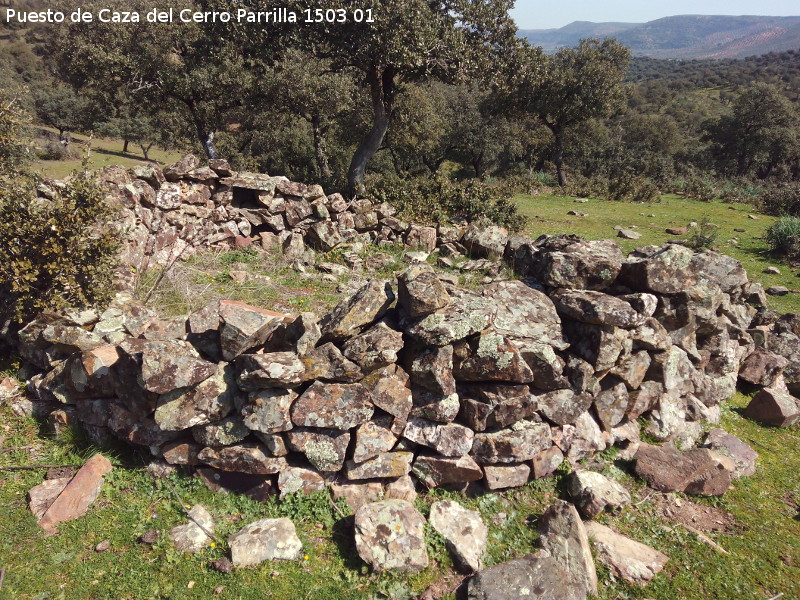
[
  {"x": 13, "y": 145},
  {"x": 704, "y": 235},
  {"x": 781, "y": 199},
  {"x": 55, "y": 253},
  {"x": 54, "y": 150},
  {"x": 783, "y": 237},
  {"x": 628, "y": 187},
  {"x": 699, "y": 188},
  {"x": 435, "y": 200}
]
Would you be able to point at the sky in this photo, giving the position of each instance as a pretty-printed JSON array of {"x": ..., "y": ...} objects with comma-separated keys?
[{"x": 547, "y": 14}]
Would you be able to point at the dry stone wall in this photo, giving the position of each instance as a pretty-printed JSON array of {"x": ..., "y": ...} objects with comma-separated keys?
[{"x": 413, "y": 377}]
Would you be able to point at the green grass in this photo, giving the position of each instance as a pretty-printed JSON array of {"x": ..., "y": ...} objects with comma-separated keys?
[
  {"x": 104, "y": 153},
  {"x": 548, "y": 214}
]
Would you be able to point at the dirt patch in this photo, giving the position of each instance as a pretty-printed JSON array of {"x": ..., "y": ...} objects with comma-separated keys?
[
  {"x": 708, "y": 519},
  {"x": 444, "y": 586}
]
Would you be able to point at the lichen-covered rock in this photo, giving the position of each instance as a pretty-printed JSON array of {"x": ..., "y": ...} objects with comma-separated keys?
[
  {"x": 377, "y": 347},
  {"x": 336, "y": 405},
  {"x": 600, "y": 345},
  {"x": 463, "y": 317},
  {"x": 274, "y": 369},
  {"x": 419, "y": 291},
  {"x": 267, "y": 410},
  {"x": 564, "y": 537},
  {"x": 563, "y": 407},
  {"x": 596, "y": 308},
  {"x": 594, "y": 492},
  {"x": 743, "y": 456},
  {"x": 295, "y": 480},
  {"x": 493, "y": 357},
  {"x": 353, "y": 314},
  {"x": 546, "y": 462},
  {"x": 632, "y": 369},
  {"x": 423, "y": 238},
  {"x": 243, "y": 458},
  {"x": 435, "y": 407},
  {"x": 245, "y": 327},
  {"x": 193, "y": 536},
  {"x": 520, "y": 442},
  {"x": 498, "y": 477},
  {"x": 485, "y": 241},
  {"x": 611, "y": 405},
  {"x": 266, "y": 539},
  {"x": 388, "y": 464},
  {"x": 448, "y": 439},
  {"x": 390, "y": 390},
  {"x": 627, "y": 559},
  {"x": 180, "y": 453},
  {"x": 432, "y": 368},
  {"x": 206, "y": 402},
  {"x": 324, "y": 236},
  {"x": 230, "y": 430},
  {"x": 699, "y": 471},
  {"x": 463, "y": 530},
  {"x": 373, "y": 438},
  {"x": 570, "y": 262},
  {"x": 532, "y": 577},
  {"x": 170, "y": 365},
  {"x": 522, "y": 312},
  {"x": 325, "y": 449},
  {"x": 585, "y": 439},
  {"x": 390, "y": 536},
  {"x": 435, "y": 471},
  {"x": 495, "y": 405},
  {"x": 327, "y": 362}
]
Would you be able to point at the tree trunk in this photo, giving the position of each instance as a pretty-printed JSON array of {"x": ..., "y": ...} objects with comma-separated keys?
[
  {"x": 323, "y": 166},
  {"x": 146, "y": 150},
  {"x": 558, "y": 157},
  {"x": 125, "y": 145},
  {"x": 205, "y": 136},
  {"x": 382, "y": 88}
]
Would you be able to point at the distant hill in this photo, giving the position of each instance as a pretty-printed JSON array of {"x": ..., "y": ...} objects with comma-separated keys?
[{"x": 685, "y": 36}]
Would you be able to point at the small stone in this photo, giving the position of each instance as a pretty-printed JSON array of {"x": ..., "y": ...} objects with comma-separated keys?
[
  {"x": 221, "y": 565},
  {"x": 389, "y": 464},
  {"x": 448, "y": 439},
  {"x": 266, "y": 539},
  {"x": 298, "y": 479},
  {"x": 677, "y": 230},
  {"x": 546, "y": 462},
  {"x": 390, "y": 535},
  {"x": 464, "y": 531},
  {"x": 772, "y": 271},
  {"x": 435, "y": 471},
  {"x": 149, "y": 537},
  {"x": 594, "y": 493},
  {"x": 193, "y": 536},
  {"x": 357, "y": 493},
  {"x": 777, "y": 290},
  {"x": 499, "y": 477},
  {"x": 103, "y": 546},
  {"x": 627, "y": 234},
  {"x": 744, "y": 457},
  {"x": 626, "y": 558}
]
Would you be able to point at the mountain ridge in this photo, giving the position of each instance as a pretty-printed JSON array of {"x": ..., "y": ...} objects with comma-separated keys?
[{"x": 682, "y": 36}]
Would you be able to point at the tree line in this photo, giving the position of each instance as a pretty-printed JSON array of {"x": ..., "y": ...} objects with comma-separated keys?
[{"x": 431, "y": 89}]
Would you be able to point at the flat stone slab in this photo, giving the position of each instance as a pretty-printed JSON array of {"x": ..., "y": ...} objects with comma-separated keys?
[
  {"x": 464, "y": 531},
  {"x": 390, "y": 535},
  {"x": 267, "y": 539},
  {"x": 628, "y": 559},
  {"x": 193, "y": 536}
]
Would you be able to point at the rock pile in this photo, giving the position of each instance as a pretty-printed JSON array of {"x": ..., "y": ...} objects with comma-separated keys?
[{"x": 415, "y": 376}]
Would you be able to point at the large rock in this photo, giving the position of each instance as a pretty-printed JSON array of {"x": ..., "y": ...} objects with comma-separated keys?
[
  {"x": 522, "y": 312},
  {"x": 596, "y": 308},
  {"x": 266, "y": 539},
  {"x": 274, "y": 369},
  {"x": 325, "y": 449},
  {"x": 377, "y": 347},
  {"x": 386, "y": 465},
  {"x": 353, "y": 314},
  {"x": 492, "y": 357},
  {"x": 762, "y": 367},
  {"x": 245, "y": 327},
  {"x": 563, "y": 407},
  {"x": 193, "y": 536},
  {"x": 774, "y": 406},
  {"x": 570, "y": 262},
  {"x": 485, "y": 241},
  {"x": 435, "y": 471},
  {"x": 419, "y": 291},
  {"x": 743, "y": 456},
  {"x": 599, "y": 345},
  {"x": 531, "y": 577},
  {"x": 324, "y": 236},
  {"x": 594, "y": 493},
  {"x": 299, "y": 480},
  {"x": 564, "y": 537},
  {"x": 520, "y": 442},
  {"x": 699, "y": 471},
  {"x": 448, "y": 439},
  {"x": 390, "y": 536},
  {"x": 464, "y": 531},
  {"x": 373, "y": 438},
  {"x": 627, "y": 559},
  {"x": 206, "y": 402},
  {"x": 327, "y": 362},
  {"x": 496, "y": 405},
  {"x": 464, "y": 316},
  {"x": 78, "y": 495},
  {"x": 267, "y": 410},
  {"x": 390, "y": 390},
  {"x": 498, "y": 477},
  {"x": 432, "y": 368},
  {"x": 242, "y": 458},
  {"x": 336, "y": 405}
]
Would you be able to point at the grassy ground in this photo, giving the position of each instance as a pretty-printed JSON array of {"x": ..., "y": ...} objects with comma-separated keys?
[
  {"x": 548, "y": 214},
  {"x": 104, "y": 152}
]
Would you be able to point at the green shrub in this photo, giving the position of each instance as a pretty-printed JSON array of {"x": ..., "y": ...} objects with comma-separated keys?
[
  {"x": 586, "y": 187},
  {"x": 783, "y": 237},
  {"x": 699, "y": 188},
  {"x": 629, "y": 187},
  {"x": 14, "y": 149},
  {"x": 435, "y": 200},
  {"x": 704, "y": 235},
  {"x": 54, "y": 150},
  {"x": 781, "y": 199},
  {"x": 54, "y": 253}
]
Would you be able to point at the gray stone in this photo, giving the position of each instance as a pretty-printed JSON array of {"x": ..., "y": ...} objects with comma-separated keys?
[
  {"x": 594, "y": 493},
  {"x": 564, "y": 537},
  {"x": 325, "y": 449},
  {"x": 390, "y": 535},
  {"x": 387, "y": 465},
  {"x": 193, "y": 536},
  {"x": 294, "y": 480},
  {"x": 533, "y": 577},
  {"x": 336, "y": 405},
  {"x": 464, "y": 531},
  {"x": 245, "y": 327},
  {"x": 596, "y": 308},
  {"x": 520, "y": 442},
  {"x": 435, "y": 471},
  {"x": 420, "y": 292},
  {"x": 266, "y": 539},
  {"x": 744, "y": 457},
  {"x": 375, "y": 348},
  {"x": 447, "y": 439},
  {"x": 206, "y": 402},
  {"x": 270, "y": 370},
  {"x": 353, "y": 314},
  {"x": 267, "y": 410},
  {"x": 498, "y": 477},
  {"x": 627, "y": 559}
]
